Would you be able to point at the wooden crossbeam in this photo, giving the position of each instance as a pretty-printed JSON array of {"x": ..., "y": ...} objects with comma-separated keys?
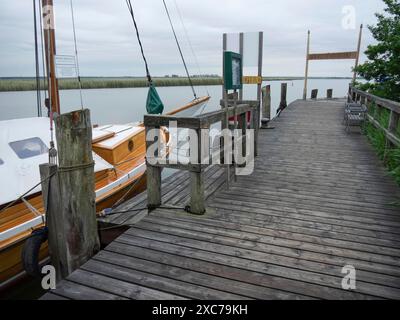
[{"x": 333, "y": 55}]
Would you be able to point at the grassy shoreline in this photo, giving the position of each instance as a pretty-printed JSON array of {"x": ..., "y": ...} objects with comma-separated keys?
[
  {"x": 389, "y": 155},
  {"x": 29, "y": 84}
]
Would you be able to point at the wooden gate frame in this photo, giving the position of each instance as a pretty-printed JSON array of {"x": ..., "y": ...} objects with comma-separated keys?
[{"x": 331, "y": 56}]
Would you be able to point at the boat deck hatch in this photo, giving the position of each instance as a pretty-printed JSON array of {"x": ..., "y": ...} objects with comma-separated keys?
[{"x": 28, "y": 148}]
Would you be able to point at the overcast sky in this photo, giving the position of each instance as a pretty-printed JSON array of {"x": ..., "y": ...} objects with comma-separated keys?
[{"x": 108, "y": 47}]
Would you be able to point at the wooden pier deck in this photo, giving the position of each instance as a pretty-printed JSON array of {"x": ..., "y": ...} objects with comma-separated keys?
[{"x": 319, "y": 199}]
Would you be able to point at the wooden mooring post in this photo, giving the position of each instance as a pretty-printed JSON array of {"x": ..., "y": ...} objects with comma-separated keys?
[
  {"x": 265, "y": 106},
  {"x": 314, "y": 93},
  {"x": 69, "y": 195},
  {"x": 283, "y": 103}
]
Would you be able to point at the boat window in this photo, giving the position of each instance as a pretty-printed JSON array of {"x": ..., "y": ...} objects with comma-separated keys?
[
  {"x": 29, "y": 147},
  {"x": 1, "y": 161}
]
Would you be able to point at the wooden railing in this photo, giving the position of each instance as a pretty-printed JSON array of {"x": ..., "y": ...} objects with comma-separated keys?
[
  {"x": 203, "y": 121},
  {"x": 369, "y": 100}
]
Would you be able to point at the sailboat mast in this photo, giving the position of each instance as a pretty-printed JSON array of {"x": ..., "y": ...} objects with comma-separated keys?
[{"x": 50, "y": 48}]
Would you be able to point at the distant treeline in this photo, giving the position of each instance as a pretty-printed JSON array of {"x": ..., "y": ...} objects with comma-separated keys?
[{"x": 28, "y": 84}]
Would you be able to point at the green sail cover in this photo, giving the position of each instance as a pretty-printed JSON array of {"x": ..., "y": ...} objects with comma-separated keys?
[{"x": 154, "y": 104}]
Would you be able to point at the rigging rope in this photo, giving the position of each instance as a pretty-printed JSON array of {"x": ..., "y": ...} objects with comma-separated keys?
[
  {"x": 76, "y": 54},
  {"x": 154, "y": 104},
  {"x": 38, "y": 95},
  {"x": 179, "y": 48},
  {"x": 190, "y": 44},
  {"x": 129, "y": 4}
]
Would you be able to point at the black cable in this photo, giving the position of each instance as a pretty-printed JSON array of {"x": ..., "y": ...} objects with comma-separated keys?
[
  {"x": 38, "y": 95},
  {"x": 129, "y": 4},
  {"x": 179, "y": 48},
  {"x": 76, "y": 54}
]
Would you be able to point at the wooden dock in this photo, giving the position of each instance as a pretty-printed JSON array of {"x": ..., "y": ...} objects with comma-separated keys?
[{"x": 319, "y": 199}]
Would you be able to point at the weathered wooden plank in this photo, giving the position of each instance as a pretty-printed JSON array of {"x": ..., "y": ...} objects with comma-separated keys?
[
  {"x": 123, "y": 288},
  {"x": 279, "y": 238},
  {"x": 52, "y": 296},
  {"x": 246, "y": 205},
  {"x": 372, "y": 210},
  {"x": 279, "y": 246},
  {"x": 152, "y": 120},
  {"x": 333, "y": 55},
  {"x": 274, "y": 218},
  {"x": 219, "y": 276},
  {"x": 275, "y": 279},
  {"x": 322, "y": 275},
  {"x": 314, "y": 235},
  {"x": 73, "y": 290},
  {"x": 184, "y": 280},
  {"x": 313, "y": 245}
]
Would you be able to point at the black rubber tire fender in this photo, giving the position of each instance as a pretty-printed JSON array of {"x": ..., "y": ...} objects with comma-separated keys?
[{"x": 30, "y": 251}]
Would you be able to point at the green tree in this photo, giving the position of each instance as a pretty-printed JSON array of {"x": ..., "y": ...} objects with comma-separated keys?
[{"x": 382, "y": 70}]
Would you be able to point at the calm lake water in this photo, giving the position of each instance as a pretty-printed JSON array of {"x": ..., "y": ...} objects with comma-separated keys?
[{"x": 128, "y": 104}]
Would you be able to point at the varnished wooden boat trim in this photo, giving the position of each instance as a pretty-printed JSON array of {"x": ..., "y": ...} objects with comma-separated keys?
[{"x": 189, "y": 105}]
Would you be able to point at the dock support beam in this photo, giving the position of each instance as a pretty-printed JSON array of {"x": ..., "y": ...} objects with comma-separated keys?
[
  {"x": 153, "y": 173},
  {"x": 69, "y": 195},
  {"x": 153, "y": 186},
  {"x": 197, "y": 201}
]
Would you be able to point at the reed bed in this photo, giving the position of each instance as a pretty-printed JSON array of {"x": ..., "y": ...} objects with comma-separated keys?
[{"x": 99, "y": 83}]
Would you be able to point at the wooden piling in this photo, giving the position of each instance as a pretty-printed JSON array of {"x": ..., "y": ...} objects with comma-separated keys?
[
  {"x": 70, "y": 197},
  {"x": 306, "y": 68},
  {"x": 314, "y": 94},
  {"x": 266, "y": 102},
  {"x": 283, "y": 102}
]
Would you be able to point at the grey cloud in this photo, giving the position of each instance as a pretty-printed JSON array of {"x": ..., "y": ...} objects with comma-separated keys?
[{"x": 108, "y": 47}]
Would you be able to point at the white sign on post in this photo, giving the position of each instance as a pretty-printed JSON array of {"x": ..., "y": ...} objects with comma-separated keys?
[{"x": 65, "y": 66}]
